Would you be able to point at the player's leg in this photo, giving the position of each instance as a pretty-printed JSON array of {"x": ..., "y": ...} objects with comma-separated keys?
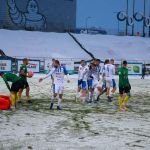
[
  {"x": 98, "y": 92},
  {"x": 114, "y": 87},
  {"x": 13, "y": 94},
  {"x": 120, "y": 98},
  {"x": 108, "y": 85},
  {"x": 79, "y": 89},
  {"x": 90, "y": 89},
  {"x": 104, "y": 89},
  {"x": 84, "y": 91},
  {"x": 61, "y": 90},
  {"x": 126, "y": 98},
  {"x": 27, "y": 92},
  {"x": 19, "y": 89},
  {"x": 54, "y": 95}
]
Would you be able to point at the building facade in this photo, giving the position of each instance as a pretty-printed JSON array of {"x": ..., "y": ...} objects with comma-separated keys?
[{"x": 38, "y": 15}]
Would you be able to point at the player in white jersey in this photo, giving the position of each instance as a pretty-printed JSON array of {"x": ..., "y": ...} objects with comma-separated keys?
[
  {"x": 58, "y": 73},
  {"x": 82, "y": 85},
  {"x": 99, "y": 79},
  {"x": 92, "y": 77},
  {"x": 113, "y": 79},
  {"x": 107, "y": 75}
]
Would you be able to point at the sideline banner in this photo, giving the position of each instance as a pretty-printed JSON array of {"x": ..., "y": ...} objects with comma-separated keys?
[
  {"x": 5, "y": 65},
  {"x": 135, "y": 68},
  {"x": 34, "y": 65}
]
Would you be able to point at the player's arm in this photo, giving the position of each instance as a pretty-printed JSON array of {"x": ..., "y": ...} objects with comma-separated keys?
[
  {"x": 23, "y": 73},
  {"x": 48, "y": 75},
  {"x": 7, "y": 84}
]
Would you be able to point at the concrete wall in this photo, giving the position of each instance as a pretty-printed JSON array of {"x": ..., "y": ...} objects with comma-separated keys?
[{"x": 42, "y": 15}]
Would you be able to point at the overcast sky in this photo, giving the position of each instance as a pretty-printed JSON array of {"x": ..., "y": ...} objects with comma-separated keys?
[{"x": 102, "y": 12}]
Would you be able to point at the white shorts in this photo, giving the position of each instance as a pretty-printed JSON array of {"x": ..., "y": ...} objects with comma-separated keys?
[
  {"x": 96, "y": 84},
  {"x": 108, "y": 82},
  {"x": 58, "y": 89}
]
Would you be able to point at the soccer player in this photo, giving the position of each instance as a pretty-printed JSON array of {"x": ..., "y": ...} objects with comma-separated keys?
[
  {"x": 23, "y": 73},
  {"x": 58, "y": 73},
  {"x": 93, "y": 81},
  {"x": 112, "y": 73},
  {"x": 107, "y": 75},
  {"x": 143, "y": 71},
  {"x": 50, "y": 67},
  {"x": 124, "y": 86},
  {"x": 82, "y": 84},
  {"x": 17, "y": 84}
]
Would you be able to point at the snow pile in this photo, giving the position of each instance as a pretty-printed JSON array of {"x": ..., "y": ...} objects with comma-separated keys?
[
  {"x": 61, "y": 45},
  {"x": 39, "y": 44},
  {"x": 118, "y": 47}
]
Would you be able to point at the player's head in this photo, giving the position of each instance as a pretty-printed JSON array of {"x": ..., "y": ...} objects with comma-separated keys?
[
  {"x": 2, "y": 74},
  {"x": 112, "y": 61},
  {"x": 106, "y": 61},
  {"x": 56, "y": 64},
  {"x": 82, "y": 62},
  {"x": 98, "y": 61},
  {"x": 53, "y": 60},
  {"x": 25, "y": 61},
  {"x": 93, "y": 66},
  {"x": 124, "y": 63},
  {"x": 94, "y": 61}
]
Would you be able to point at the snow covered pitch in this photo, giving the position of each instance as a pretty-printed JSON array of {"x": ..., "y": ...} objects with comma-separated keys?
[{"x": 78, "y": 126}]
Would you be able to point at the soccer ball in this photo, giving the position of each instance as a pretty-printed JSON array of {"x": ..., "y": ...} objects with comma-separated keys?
[{"x": 30, "y": 73}]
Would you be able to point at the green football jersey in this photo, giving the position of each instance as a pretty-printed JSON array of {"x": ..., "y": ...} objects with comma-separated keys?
[
  {"x": 9, "y": 77},
  {"x": 123, "y": 77},
  {"x": 24, "y": 68}
]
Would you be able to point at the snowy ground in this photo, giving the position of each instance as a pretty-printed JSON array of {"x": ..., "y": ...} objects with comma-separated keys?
[{"x": 78, "y": 126}]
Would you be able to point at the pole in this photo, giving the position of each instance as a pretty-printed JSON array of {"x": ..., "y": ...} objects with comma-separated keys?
[
  {"x": 149, "y": 17},
  {"x": 133, "y": 17},
  {"x": 144, "y": 19},
  {"x": 127, "y": 17}
]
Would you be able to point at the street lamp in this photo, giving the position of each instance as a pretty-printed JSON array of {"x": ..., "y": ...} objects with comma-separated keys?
[
  {"x": 149, "y": 17},
  {"x": 144, "y": 18},
  {"x": 127, "y": 10},
  {"x": 86, "y": 23},
  {"x": 133, "y": 16}
]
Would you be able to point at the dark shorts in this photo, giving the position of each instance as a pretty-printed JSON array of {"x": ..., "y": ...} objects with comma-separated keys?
[
  {"x": 25, "y": 84},
  {"x": 90, "y": 83},
  {"x": 82, "y": 84},
  {"x": 16, "y": 86},
  {"x": 123, "y": 90}
]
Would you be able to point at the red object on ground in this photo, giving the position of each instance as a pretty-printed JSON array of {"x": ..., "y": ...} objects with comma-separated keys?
[{"x": 5, "y": 102}]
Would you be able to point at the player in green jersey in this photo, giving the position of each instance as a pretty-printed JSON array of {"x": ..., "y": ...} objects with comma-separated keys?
[
  {"x": 17, "y": 85},
  {"x": 23, "y": 74},
  {"x": 124, "y": 86}
]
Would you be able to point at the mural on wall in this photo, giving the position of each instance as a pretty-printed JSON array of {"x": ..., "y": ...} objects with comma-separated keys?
[{"x": 31, "y": 19}]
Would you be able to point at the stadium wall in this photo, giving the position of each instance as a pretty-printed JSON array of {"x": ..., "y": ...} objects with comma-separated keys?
[{"x": 38, "y": 15}]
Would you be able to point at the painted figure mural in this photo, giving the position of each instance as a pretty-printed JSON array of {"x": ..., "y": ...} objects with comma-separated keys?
[{"x": 31, "y": 19}]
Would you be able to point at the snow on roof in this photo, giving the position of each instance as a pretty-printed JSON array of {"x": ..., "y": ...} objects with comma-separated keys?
[{"x": 118, "y": 47}]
